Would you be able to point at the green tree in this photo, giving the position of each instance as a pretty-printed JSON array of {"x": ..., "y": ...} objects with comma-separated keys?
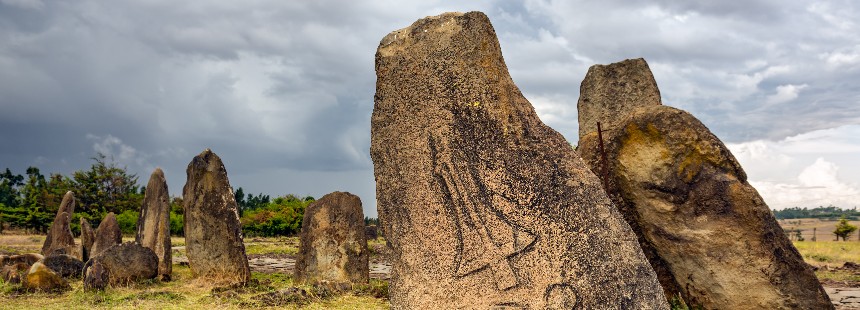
[
  {"x": 10, "y": 197},
  {"x": 105, "y": 188},
  {"x": 844, "y": 229},
  {"x": 9, "y": 188},
  {"x": 250, "y": 202}
]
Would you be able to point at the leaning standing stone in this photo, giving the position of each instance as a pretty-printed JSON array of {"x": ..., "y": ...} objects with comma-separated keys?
[
  {"x": 213, "y": 234},
  {"x": 333, "y": 247},
  {"x": 60, "y": 239},
  {"x": 153, "y": 227},
  {"x": 708, "y": 234},
  {"x": 107, "y": 235},
  {"x": 483, "y": 205}
]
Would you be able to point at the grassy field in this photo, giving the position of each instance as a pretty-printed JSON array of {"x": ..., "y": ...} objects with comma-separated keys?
[{"x": 186, "y": 292}]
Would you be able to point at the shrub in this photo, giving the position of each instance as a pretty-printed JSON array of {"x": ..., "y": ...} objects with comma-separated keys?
[
  {"x": 280, "y": 217},
  {"x": 128, "y": 222}
]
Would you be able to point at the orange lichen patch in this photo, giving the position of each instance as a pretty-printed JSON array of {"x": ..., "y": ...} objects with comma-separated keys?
[
  {"x": 699, "y": 154},
  {"x": 642, "y": 153}
]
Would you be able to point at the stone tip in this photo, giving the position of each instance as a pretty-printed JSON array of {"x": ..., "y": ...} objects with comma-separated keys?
[{"x": 445, "y": 22}]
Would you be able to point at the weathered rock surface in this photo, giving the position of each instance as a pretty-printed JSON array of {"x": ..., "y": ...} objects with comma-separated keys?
[
  {"x": 96, "y": 277},
  {"x": 28, "y": 258},
  {"x": 153, "y": 226},
  {"x": 371, "y": 232},
  {"x": 60, "y": 239},
  {"x": 605, "y": 98},
  {"x": 333, "y": 247},
  {"x": 87, "y": 239},
  {"x": 125, "y": 263},
  {"x": 107, "y": 235},
  {"x": 213, "y": 234},
  {"x": 66, "y": 266},
  {"x": 43, "y": 279},
  {"x": 706, "y": 231},
  {"x": 483, "y": 205},
  {"x": 14, "y": 273}
]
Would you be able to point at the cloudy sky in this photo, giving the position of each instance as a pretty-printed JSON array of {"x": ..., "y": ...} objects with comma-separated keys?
[{"x": 283, "y": 90}]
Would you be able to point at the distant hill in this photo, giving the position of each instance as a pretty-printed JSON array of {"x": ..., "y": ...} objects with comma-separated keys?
[{"x": 829, "y": 212}]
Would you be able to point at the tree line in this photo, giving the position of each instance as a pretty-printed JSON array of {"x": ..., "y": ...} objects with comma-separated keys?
[
  {"x": 30, "y": 202},
  {"x": 828, "y": 213}
]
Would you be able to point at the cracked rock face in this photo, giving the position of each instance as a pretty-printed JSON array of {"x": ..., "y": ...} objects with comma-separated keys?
[
  {"x": 213, "y": 234},
  {"x": 482, "y": 204},
  {"x": 707, "y": 233}
]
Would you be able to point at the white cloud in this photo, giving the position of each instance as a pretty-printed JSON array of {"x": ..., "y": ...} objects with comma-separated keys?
[
  {"x": 114, "y": 149},
  {"x": 785, "y": 93},
  {"x": 807, "y": 170}
]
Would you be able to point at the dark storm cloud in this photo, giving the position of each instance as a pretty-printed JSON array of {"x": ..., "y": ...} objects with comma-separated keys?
[{"x": 283, "y": 90}]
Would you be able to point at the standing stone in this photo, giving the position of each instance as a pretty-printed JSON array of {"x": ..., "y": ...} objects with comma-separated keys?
[
  {"x": 213, "y": 234},
  {"x": 333, "y": 247},
  {"x": 107, "y": 235},
  {"x": 153, "y": 226},
  {"x": 605, "y": 98},
  {"x": 87, "y": 239},
  {"x": 60, "y": 239},
  {"x": 124, "y": 263},
  {"x": 706, "y": 231},
  {"x": 43, "y": 279},
  {"x": 482, "y": 204}
]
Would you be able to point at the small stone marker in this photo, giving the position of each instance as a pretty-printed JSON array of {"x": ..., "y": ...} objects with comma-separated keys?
[
  {"x": 153, "y": 227},
  {"x": 107, "y": 235},
  {"x": 66, "y": 266},
  {"x": 213, "y": 234},
  {"x": 333, "y": 247},
  {"x": 43, "y": 279},
  {"x": 124, "y": 263}
]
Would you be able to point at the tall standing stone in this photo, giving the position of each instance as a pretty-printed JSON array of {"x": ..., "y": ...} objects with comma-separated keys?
[
  {"x": 483, "y": 205},
  {"x": 153, "y": 226},
  {"x": 107, "y": 235},
  {"x": 87, "y": 239},
  {"x": 213, "y": 234},
  {"x": 60, "y": 239},
  {"x": 333, "y": 247},
  {"x": 707, "y": 233}
]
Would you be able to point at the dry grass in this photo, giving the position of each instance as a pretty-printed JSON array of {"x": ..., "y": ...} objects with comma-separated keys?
[
  {"x": 186, "y": 291},
  {"x": 829, "y": 253}
]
